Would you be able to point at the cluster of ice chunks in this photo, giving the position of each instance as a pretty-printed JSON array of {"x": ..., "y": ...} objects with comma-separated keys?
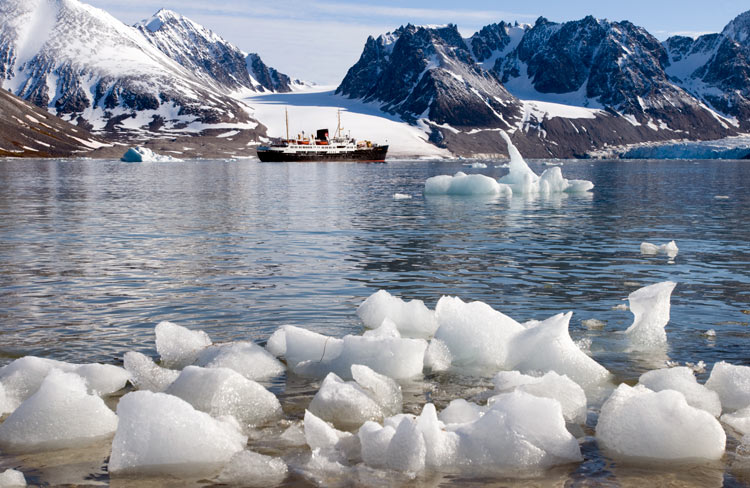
[{"x": 520, "y": 180}]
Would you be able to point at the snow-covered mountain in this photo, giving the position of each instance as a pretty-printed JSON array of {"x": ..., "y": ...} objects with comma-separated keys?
[
  {"x": 91, "y": 69},
  {"x": 208, "y": 56},
  {"x": 562, "y": 89},
  {"x": 715, "y": 68}
]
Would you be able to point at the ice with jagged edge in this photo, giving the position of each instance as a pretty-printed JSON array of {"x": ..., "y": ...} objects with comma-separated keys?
[
  {"x": 650, "y": 306},
  {"x": 670, "y": 249},
  {"x": 163, "y": 434},
  {"x": 11, "y": 478},
  {"x": 179, "y": 346},
  {"x": 61, "y": 414},
  {"x": 571, "y": 396},
  {"x": 140, "y": 154},
  {"x": 462, "y": 184},
  {"x": 412, "y": 318},
  {"x": 145, "y": 374},
  {"x": 682, "y": 379},
  {"x": 636, "y": 422},
  {"x": 732, "y": 383}
]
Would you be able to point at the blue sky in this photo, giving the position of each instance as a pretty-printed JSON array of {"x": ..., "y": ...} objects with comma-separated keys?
[{"x": 319, "y": 40}]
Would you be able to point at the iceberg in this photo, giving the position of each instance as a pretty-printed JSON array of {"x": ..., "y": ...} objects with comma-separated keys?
[
  {"x": 462, "y": 184},
  {"x": 670, "y": 249},
  {"x": 161, "y": 434},
  {"x": 636, "y": 422},
  {"x": 140, "y": 154},
  {"x": 61, "y": 414}
]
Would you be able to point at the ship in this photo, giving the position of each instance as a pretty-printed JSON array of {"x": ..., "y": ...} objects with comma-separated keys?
[{"x": 321, "y": 147}]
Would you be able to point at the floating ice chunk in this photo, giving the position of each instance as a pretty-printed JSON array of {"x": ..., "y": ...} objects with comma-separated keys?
[
  {"x": 636, "y": 422},
  {"x": 670, "y": 249},
  {"x": 519, "y": 431},
  {"x": 592, "y": 324},
  {"x": 163, "y": 434},
  {"x": 179, "y": 346},
  {"x": 441, "y": 446},
  {"x": 401, "y": 196},
  {"x": 477, "y": 336},
  {"x": 739, "y": 420},
  {"x": 650, "y": 306},
  {"x": 462, "y": 184},
  {"x": 710, "y": 333},
  {"x": 548, "y": 347},
  {"x": 382, "y": 389},
  {"x": 621, "y": 307},
  {"x": 320, "y": 435},
  {"x": 248, "y": 468},
  {"x": 374, "y": 440},
  {"x": 61, "y": 414},
  {"x": 147, "y": 375},
  {"x": 387, "y": 329},
  {"x": 459, "y": 411},
  {"x": 407, "y": 450},
  {"x": 552, "y": 385},
  {"x": 344, "y": 404},
  {"x": 303, "y": 345},
  {"x": 683, "y": 380},
  {"x": 276, "y": 344},
  {"x": 247, "y": 358},
  {"x": 22, "y": 377},
  {"x": 437, "y": 357},
  {"x": 10, "y": 478},
  {"x": 141, "y": 154},
  {"x": 522, "y": 180},
  {"x": 732, "y": 383},
  {"x": 412, "y": 318},
  {"x": 222, "y": 391}
]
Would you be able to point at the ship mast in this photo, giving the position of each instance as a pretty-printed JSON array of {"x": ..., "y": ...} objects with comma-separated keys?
[
  {"x": 338, "y": 124},
  {"x": 286, "y": 115}
]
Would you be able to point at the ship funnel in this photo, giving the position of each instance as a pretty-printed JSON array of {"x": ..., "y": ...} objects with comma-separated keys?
[{"x": 322, "y": 135}]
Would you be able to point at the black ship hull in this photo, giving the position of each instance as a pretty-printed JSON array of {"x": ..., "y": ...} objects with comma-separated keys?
[{"x": 370, "y": 155}]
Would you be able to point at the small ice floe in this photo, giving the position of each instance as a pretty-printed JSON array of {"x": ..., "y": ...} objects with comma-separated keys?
[
  {"x": 592, "y": 324},
  {"x": 349, "y": 404},
  {"x": 650, "y": 307},
  {"x": 636, "y": 422},
  {"x": 311, "y": 354},
  {"x": 179, "y": 346},
  {"x": 552, "y": 385},
  {"x": 145, "y": 374},
  {"x": 140, "y": 154},
  {"x": 721, "y": 197},
  {"x": 248, "y": 468},
  {"x": 710, "y": 333},
  {"x": 162, "y": 434},
  {"x": 732, "y": 383},
  {"x": 739, "y": 420},
  {"x": 623, "y": 307},
  {"x": 462, "y": 184},
  {"x": 476, "y": 165},
  {"x": 11, "y": 478},
  {"x": 503, "y": 165},
  {"x": 699, "y": 367},
  {"x": 21, "y": 378},
  {"x": 401, "y": 196},
  {"x": 670, "y": 249},
  {"x": 683, "y": 380},
  {"x": 413, "y": 319},
  {"x": 61, "y": 414},
  {"x": 247, "y": 358},
  {"x": 552, "y": 163},
  {"x": 222, "y": 391}
]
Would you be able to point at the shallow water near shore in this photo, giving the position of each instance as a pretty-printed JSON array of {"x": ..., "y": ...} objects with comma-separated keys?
[{"x": 94, "y": 253}]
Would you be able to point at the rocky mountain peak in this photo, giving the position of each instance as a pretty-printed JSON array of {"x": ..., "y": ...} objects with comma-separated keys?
[{"x": 739, "y": 29}]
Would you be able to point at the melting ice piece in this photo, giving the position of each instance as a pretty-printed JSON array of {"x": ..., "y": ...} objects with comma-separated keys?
[
  {"x": 163, "y": 434},
  {"x": 22, "y": 377},
  {"x": 459, "y": 411},
  {"x": 547, "y": 346},
  {"x": 141, "y": 154},
  {"x": 320, "y": 435},
  {"x": 412, "y": 318},
  {"x": 552, "y": 385},
  {"x": 669, "y": 249},
  {"x": 247, "y": 358},
  {"x": 462, "y": 184},
  {"x": 519, "y": 431},
  {"x": 147, "y": 375},
  {"x": 179, "y": 346},
  {"x": 10, "y": 478},
  {"x": 386, "y": 392},
  {"x": 345, "y": 404},
  {"x": 732, "y": 383},
  {"x": 477, "y": 336},
  {"x": 222, "y": 391},
  {"x": 438, "y": 356},
  {"x": 299, "y": 345},
  {"x": 683, "y": 380},
  {"x": 650, "y": 306},
  {"x": 401, "y": 196},
  {"x": 248, "y": 468},
  {"x": 636, "y": 422},
  {"x": 523, "y": 180},
  {"x": 60, "y": 415},
  {"x": 739, "y": 420}
]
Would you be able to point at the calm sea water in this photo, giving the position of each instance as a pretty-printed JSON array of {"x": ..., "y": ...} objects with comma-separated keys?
[{"x": 94, "y": 253}]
